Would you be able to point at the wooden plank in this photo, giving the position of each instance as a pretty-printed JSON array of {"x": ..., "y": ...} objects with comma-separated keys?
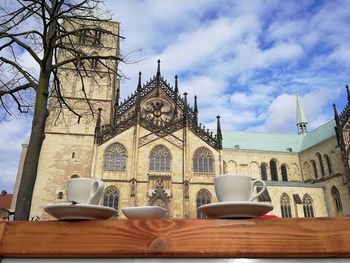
[
  {"x": 2, "y": 230},
  {"x": 320, "y": 237}
]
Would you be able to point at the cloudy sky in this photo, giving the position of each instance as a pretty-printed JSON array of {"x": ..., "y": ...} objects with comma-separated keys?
[{"x": 245, "y": 60}]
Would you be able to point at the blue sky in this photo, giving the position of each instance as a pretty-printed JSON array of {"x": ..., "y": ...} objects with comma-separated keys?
[{"x": 245, "y": 60}]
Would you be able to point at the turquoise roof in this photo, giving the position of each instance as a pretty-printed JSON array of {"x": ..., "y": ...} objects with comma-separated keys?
[
  {"x": 318, "y": 135},
  {"x": 275, "y": 141}
]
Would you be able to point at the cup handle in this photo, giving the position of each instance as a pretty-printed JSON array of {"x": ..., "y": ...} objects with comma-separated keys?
[
  {"x": 97, "y": 189},
  {"x": 253, "y": 183}
]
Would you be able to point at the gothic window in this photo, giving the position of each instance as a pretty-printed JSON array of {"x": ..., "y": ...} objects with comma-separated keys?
[
  {"x": 314, "y": 168},
  {"x": 273, "y": 170},
  {"x": 74, "y": 176},
  {"x": 337, "y": 199},
  {"x": 160, "y": 159},
  {"x": 263, "y": 171},
  {"x": 111, "y": 197},
  {"x": 308, "y": 206},
  {"x": 94, "y": 63},
  {"x": 321, "y": 163},
  {"x": 90, "y": 37},
  {"x": 284, "y": 173},
  {"x": 285, "y": 206},
  {"x": 203, "y": 198},
  {"x": 203, "y": 161},
  {"x": 115, "y": 157},
  {"x": 329, "y": 165}
]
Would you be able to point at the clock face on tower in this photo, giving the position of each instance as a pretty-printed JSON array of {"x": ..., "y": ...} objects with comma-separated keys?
[{"x": 157, "y": 110}]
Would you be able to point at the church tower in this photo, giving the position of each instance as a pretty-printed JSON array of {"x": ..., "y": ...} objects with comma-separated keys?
[
  {"x": 301, "y": 118},
  {"x": 87, "y": 97}
]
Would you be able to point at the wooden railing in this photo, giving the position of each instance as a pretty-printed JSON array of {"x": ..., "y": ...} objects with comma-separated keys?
[{"x": 254, "y": 238}]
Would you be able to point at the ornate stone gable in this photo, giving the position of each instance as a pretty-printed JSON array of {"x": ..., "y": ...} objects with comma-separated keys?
[
  {"x": 157, "y": 107},
  {"x": 342, "y": 130}
]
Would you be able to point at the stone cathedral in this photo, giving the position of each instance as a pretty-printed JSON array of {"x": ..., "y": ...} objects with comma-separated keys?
[{"x": 151, "y": 149}]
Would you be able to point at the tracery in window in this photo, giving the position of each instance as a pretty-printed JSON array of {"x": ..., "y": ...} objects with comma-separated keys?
[
  {"x": 308, "y": 206},
  {"x": 115, "y": 157},
  {"x": 203, "y": 198},
  {"x": 263, "y": 171},
  {"x": 111, "y": 197},
  {"x": 337, "y": 199},
  {"x": 284, "y": 173},
  {"x": 203, "y": 161},
  {"x": 160, "y": 159},
  {"x": 273, "y": 170},
  {"x": 285, "y": 206}
]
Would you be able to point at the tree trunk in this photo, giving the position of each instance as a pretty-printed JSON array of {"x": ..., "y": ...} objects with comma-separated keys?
[
  {"x": 31, "y": 161},
  {"x": 30, "y": 167}
]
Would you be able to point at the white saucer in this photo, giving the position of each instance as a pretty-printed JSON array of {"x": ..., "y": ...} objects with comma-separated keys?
[
  {"x": 139, "y": 212},
  {"x": 68, "y": 211},
  {"x": 235, "y": 209}
]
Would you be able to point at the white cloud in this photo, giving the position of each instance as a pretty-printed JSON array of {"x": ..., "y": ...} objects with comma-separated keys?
[{"x": 243, "y": 100}]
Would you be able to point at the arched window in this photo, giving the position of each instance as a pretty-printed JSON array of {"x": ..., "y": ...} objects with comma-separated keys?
[
  {"x": 160, "y": 159},
  {"x": 115, "y": 157},
  {"x": 321, "y": 163},
  {"x": 263, "y": 172},
  {"x": 203, "y": 161},
  {"x": 74, "y": 176},
  {"x": 329, "y": 165},
  {"x": 273, "y": 170},
  {"x": 314, "y": 168},
  {"x": 284, "y": 173},
  {"x": 111, "y": 197},
  {"x": 308, "y": 206},
  {"x": 203, "y": 198},
  {"x": 337, "y": 200},
  {"x": 285, "y": 206}
]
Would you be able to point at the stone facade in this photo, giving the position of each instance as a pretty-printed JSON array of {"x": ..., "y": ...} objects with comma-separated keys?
[{"x": 150, "y": 150}]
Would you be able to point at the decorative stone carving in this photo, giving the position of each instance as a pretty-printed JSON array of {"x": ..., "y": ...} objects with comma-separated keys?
[
  {"x": 157, "y": 110},
  {"x": 147, "y": 139},
  {"x": 160, "y": 198}
]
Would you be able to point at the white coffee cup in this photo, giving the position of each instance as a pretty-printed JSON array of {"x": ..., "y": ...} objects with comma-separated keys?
[
  {"x": 236, "y": 187},
  {"x": 85, "y": 190}
]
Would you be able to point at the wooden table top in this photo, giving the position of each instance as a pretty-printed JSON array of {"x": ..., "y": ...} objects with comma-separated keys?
[{"x": 252, "y": 238}]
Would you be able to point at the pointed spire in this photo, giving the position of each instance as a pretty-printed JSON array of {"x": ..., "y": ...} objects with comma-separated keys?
[
  {"x": 176, "y": 86},
  {"x": 301, "y": 118},
  {"x": 116, "y": 106},
  {"x": 137, "y": 107},
  {"x": 158, "y": 67},
  {"x": 176, "y": 96},
  {"x": 185, "y": 108},
  {"x": 98, "y": 123},
  {"x": 185, "y": 99},
  {"x": 195, "y": 109},
  {"x": 158, "y": 78},
  {"x": 139, "y": 84},
  {"x": 337, "y": 127},
  {"x": 336, "y": 115},
  {"x": 348, "y": 92},
  {"x": 195, "y": 104},
  {"x": 218, "y": 132}
]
